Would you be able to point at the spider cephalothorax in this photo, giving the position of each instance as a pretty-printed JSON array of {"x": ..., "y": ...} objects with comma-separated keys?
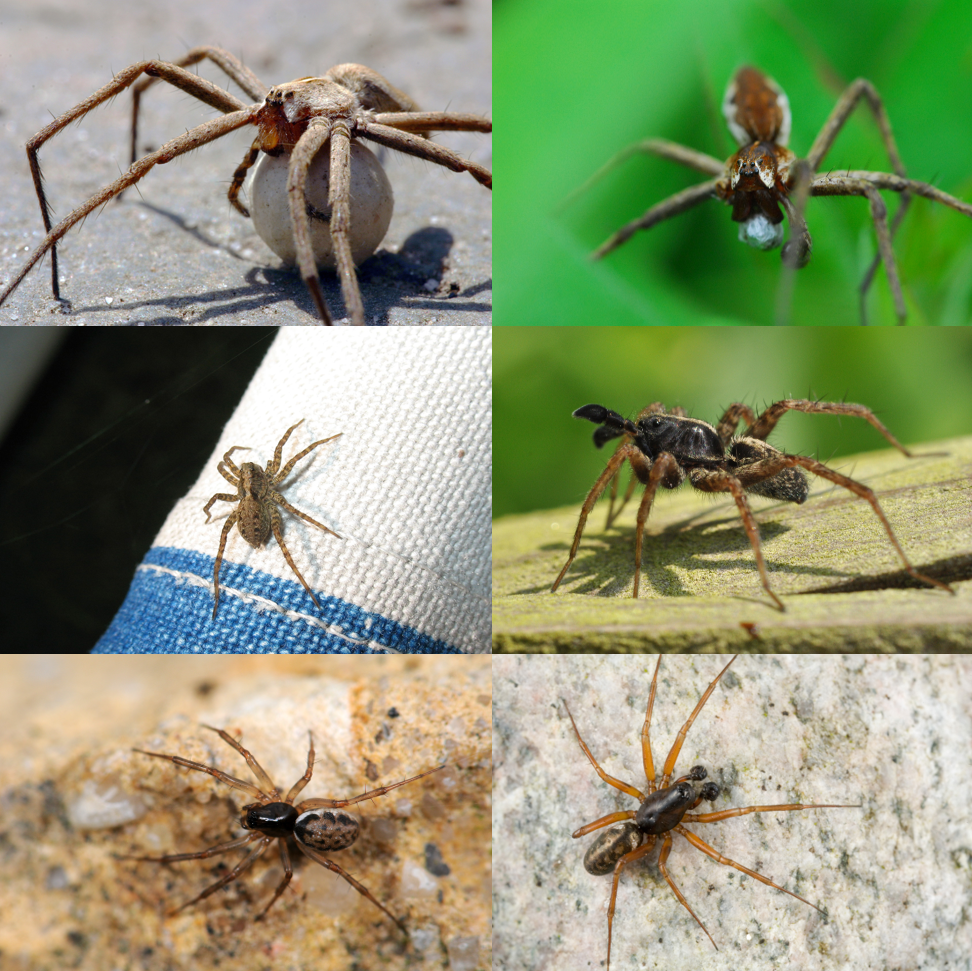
[
  {"x": 664, "y": 448},
  {"x": 764, "y": 178},
  {"x": 301, "y": 118}
]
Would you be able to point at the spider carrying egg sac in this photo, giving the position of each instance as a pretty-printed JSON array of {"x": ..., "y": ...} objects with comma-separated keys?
[{"x": 372, "y": 203}]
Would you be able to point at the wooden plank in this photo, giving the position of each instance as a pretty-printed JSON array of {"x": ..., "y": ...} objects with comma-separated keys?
[{"x": 699, "y": 581}]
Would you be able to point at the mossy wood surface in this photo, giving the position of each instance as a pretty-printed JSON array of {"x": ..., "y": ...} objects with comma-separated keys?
[{"x": 829, "y": 560}]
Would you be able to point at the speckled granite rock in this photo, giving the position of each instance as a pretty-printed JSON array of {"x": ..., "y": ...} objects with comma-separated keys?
[{"x": 895, "y": 877}]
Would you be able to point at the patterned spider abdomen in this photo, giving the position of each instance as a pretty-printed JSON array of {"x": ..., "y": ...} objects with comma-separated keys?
[
  {"x": 254, "y": 510},
  {"x": 603, "y": 854},
  {"x": 326, "y": 829}
]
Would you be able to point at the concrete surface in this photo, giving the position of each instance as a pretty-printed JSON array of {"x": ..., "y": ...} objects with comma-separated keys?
[
  {"x": 177, "y": 252},
  {"x": 894, "y": 877}
]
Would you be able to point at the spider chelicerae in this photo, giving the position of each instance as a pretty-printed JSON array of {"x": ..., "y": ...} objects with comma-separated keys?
[
  {"x": 318, "y": 826},
  {"x": 256, "y": 514},
  {"x": 299, "y": 119},
  {"x": 764, "y": 178},
  {"x": 667, "y": 447},
  {"x": 664, "y": 806}
]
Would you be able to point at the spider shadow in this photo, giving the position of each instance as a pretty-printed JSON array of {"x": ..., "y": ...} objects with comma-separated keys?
[
  {"x": 387, "y": 280},
  {"x": 678, "y": 548}
]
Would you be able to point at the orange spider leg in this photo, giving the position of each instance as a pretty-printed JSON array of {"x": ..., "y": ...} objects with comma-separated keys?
[
  {"x": 677, "y": 747},
  {"x": 662, "y": 860},
  {"x": 609, "y": 779},
  {"x": 700, "y": 844}
]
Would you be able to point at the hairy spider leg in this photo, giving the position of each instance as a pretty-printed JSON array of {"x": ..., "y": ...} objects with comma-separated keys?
[
  {"x": 194, "y": 138},
  {"x": 763, "y": 426},
  {"x": 278, "y": 536},
  {"x": 231, "y": 66},
  {"x": 614, "y": 463},
  {"x": 663, "y": 466},
  {"x": 646, "y": 758},
  {"x": 609, "y": 779},
  {"x": 174, "y": 74},
  {"x": 272, "y": 791},
  {"x": 708, "y": 480},
  {"x": 360, "y": 887}
]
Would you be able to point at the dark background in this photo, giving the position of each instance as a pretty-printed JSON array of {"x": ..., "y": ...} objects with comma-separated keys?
[{"x": 114, "y": 432}]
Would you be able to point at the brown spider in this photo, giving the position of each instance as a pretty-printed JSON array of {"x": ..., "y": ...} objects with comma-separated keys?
[
  {"x": 764, "y": 175},
  {"x": 297, "y": 118},
  {"x": 664, "y": 807},
  {"x": 664, "y": 447},
  {"x": 256, "y": 515},
  {"x": 275, "y": 816}
]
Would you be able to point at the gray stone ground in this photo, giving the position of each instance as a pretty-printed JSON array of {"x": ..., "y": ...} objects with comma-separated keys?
[
  {"x": 178, "y": 253},
  {"x": 895, "y": 876}
]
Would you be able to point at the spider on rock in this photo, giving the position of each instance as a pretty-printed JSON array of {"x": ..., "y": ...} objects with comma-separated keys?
[
  {"x": 664, "y": 807},
  {"x": 296, "y": 120},
  {"x": 664, "y": 448},
  {"x": 318, "y": 826},
  {"x": 256, "y": 514},
  {"x": 764, "y": 175}
]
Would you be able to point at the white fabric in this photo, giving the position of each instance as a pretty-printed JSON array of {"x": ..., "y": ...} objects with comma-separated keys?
[{"x": 407, "y": 485}]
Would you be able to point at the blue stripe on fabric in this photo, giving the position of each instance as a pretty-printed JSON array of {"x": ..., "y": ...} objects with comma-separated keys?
[{"x": 167, "y": 614}]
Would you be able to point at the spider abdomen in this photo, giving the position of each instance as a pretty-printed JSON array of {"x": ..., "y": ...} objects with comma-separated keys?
[
  {"x": 326, "y": 829},
  {"x": 271, "y": 819},
  {"x": 603, "y": 854}
]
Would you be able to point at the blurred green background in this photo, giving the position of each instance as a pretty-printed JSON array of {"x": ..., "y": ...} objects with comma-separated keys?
[
  {"x": 577, "y": 82},
  {"x": 918, "y": 382}
]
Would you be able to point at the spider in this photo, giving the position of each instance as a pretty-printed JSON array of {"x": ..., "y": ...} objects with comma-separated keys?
[
  {"x": 317, "y": 825},
  {"x": 663, "y": 808},
  {"x": 298, "y": 118},
  {"x": 664, "y": 447},
  {"x": 256, "y": 515},
  {"x": 764, "y": 175}
]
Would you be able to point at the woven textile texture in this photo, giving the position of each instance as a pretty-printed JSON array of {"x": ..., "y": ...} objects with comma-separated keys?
[{"x": 407, "y": 487}]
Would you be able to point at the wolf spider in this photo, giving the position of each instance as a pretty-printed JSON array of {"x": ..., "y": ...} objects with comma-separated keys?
[
  {"x": 275, "y": 816},
  {"x": 764, "y": 175},
  {"x": 663, "y": 448},
  {"x": 663, "y": 809},
  {"x": 299, "y": 118},
  {"x": 256, "y": 515}
]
